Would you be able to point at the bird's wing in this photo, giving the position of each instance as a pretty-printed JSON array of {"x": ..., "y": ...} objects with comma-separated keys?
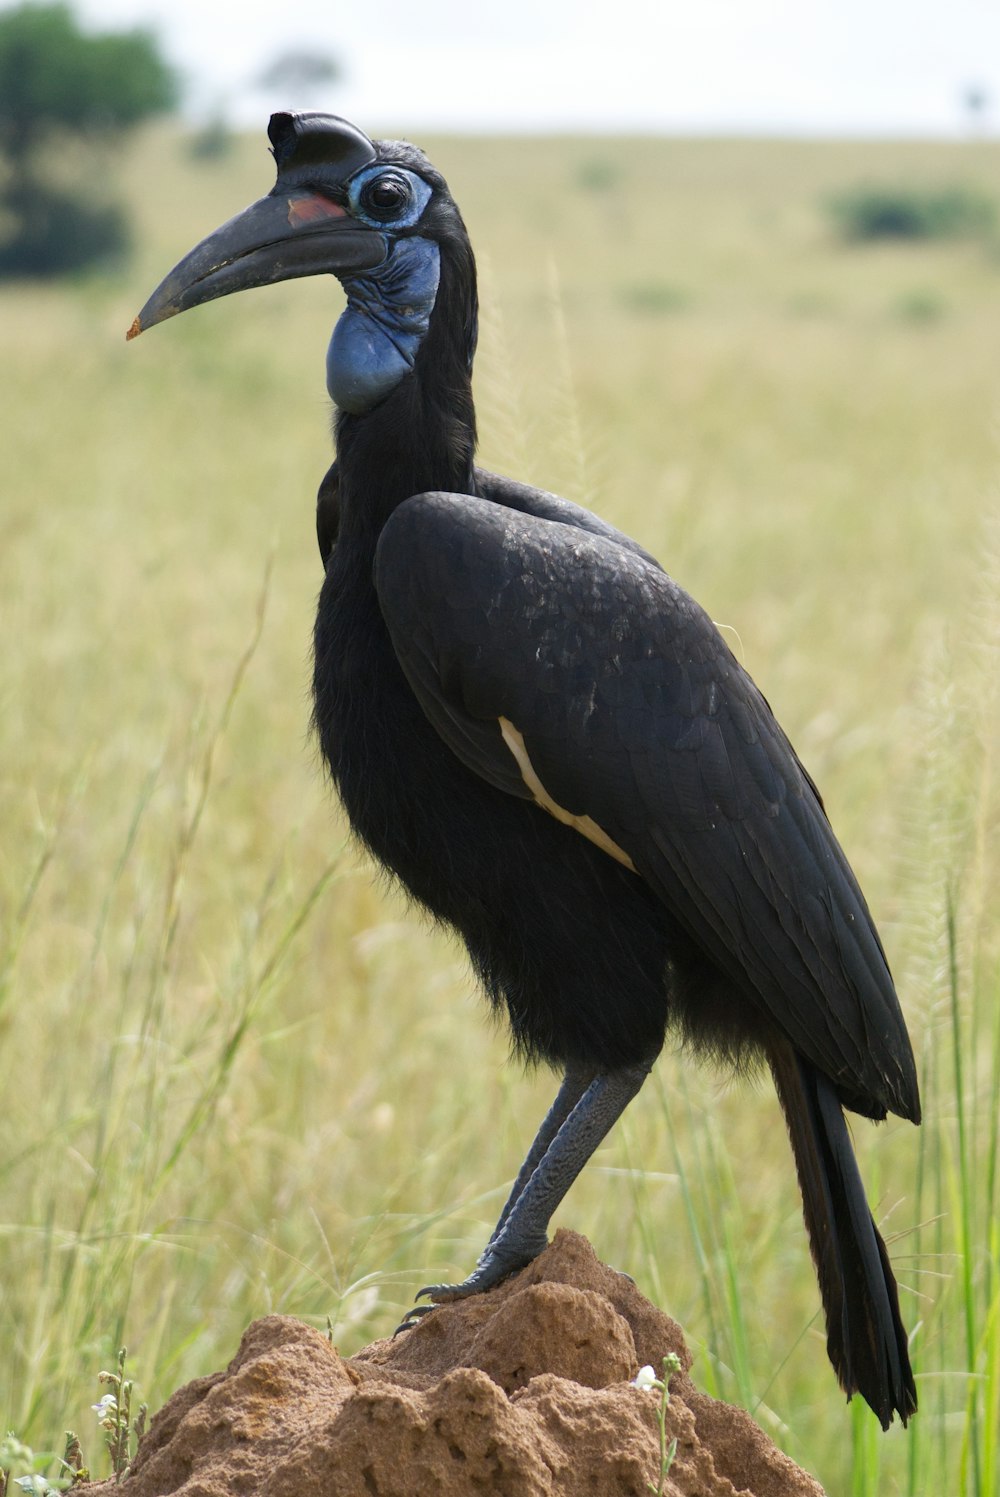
[
  {"x": 564, "y": 667},
  {"x": 528, "y": 500}
]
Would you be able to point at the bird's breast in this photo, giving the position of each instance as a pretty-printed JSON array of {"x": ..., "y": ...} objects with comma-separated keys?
[
  {"x": 554, "y": 926},
  {"x": 403, "y": 790}
]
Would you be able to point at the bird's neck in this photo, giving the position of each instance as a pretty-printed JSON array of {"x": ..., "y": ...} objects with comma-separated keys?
[
  {"x": 377, "y": 338},
  {"x": 421, "y": 434}
]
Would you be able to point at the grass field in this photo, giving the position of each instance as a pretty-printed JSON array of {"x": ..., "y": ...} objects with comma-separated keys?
[{"x": 239, "y": 1076}]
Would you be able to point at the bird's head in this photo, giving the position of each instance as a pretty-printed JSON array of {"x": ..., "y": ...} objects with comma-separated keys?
[{"x": 375, "y": 214}]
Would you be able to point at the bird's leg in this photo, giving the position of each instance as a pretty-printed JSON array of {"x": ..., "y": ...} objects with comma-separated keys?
[
  {"x": 575, "y": 1083},
  {"x": 521, "y": 1232}
]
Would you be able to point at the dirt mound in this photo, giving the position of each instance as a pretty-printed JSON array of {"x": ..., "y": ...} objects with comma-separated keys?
[{"x": 523, "y": 1392}]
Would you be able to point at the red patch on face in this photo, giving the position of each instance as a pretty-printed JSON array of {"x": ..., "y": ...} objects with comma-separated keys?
[{"x": 311, "y": 207}]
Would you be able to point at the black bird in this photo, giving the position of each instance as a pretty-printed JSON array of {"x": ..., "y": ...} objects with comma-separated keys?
[{"x": 548, "y": 743}]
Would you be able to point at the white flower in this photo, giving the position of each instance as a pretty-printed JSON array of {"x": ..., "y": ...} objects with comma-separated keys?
[{"x": 646, "y": 1378}]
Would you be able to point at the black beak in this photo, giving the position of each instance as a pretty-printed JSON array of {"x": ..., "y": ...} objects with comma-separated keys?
[
  {"x": 294, "y": 231},
  {"x": 286, "y": 234}
]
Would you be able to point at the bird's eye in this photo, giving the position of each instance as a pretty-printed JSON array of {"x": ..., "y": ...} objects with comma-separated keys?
[
  {"x": 388, "y": 196},
  {"x": 385, "y": 196}
]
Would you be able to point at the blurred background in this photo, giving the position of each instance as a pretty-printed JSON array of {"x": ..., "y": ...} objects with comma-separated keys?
[
  {"x": 770, "y": 66},
  {"x": 774, "y": 68},
  {"x": 740, "y": 279}
]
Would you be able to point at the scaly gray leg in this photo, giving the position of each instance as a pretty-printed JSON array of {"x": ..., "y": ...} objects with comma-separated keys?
[
  {"x": 562, "y": 1149},
  {"x": 574, "y": 1084}
]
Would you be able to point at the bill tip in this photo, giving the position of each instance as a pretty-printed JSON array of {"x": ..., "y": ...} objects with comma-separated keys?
[{"x": 133, "y": 331}]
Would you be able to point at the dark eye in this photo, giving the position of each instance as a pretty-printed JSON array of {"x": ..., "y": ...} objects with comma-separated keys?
[{"x": 385, "y": 196}]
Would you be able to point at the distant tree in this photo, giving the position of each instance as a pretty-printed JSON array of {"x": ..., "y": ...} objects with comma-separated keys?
[
  {"x": 977, "y": 100},
  {"x": 298, "y": 71},
  {"x": 213, "y": 139},
  {"x": 58, "y": 82}
]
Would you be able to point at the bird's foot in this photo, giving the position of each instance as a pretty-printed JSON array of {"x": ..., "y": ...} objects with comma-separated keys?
[{"x": 497, "y": 1263}]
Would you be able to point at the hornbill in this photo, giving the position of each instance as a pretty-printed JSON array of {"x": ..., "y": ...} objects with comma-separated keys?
[{"x": 546, "y": 741}]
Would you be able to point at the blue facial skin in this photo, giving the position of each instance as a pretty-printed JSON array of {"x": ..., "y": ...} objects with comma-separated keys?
[
  {"x": 388, "y": 309},
  {"x": 388, "y": 312}
]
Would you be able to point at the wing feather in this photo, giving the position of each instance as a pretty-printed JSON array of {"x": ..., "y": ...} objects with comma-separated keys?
[{"x": 635, "y": 714}]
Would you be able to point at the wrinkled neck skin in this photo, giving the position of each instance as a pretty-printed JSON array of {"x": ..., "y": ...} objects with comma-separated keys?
[
  {"x": 400, "y": 373},
  {"x": 375, "y": 342}
]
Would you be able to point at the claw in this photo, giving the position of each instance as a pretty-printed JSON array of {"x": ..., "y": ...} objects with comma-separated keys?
[
  {"x": 438, "y": 1294},
  {"x": 409, "y": 1320},
  {"x": 493, "y": 1267}
]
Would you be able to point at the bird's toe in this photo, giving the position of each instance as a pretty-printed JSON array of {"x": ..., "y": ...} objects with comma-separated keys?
[{"x": 412, "y": 1316}]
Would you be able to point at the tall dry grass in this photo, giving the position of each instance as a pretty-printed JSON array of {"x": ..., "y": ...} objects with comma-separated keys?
[{"x": 240, "y": 1076}]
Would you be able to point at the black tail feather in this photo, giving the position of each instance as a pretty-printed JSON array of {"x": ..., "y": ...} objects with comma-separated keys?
[{"x": 865, "y": 1335}]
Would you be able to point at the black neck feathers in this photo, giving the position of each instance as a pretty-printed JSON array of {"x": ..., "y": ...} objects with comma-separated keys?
[{"x": 422, "y": 437}]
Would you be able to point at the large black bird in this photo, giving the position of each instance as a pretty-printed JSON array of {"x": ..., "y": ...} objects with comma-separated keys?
[{"x": 547, "y": 742}]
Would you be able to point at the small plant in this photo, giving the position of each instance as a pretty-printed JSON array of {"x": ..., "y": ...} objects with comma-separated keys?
[
  {"x": 654, "y": 298},
  {"x": 114, "y": 1415},
  {"x": 921, "y": 305},
  {"x": 647, "y": 1380},
  {"x": 598, "y": 174},
  {"x": 72, "y": 1457},
  {"x": 15, "y": 1455}
]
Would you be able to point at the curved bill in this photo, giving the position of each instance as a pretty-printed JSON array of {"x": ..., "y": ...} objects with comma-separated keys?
[{"x": 286, "y": 234}]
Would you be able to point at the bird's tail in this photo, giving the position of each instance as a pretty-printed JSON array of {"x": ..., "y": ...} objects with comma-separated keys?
[{"x": 865, "y": 1335}]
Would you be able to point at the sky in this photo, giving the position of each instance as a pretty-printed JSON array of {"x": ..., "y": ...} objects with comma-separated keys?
[{"x": 808, "y": 67}]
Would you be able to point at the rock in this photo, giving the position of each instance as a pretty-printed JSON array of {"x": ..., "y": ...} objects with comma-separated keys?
[{"x": 522, "y": 1392}]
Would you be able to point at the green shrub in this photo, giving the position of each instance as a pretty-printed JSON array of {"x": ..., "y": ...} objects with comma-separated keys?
[
  {"x": 54, "y": 234},
  {"x": 654, "y": 298},
  {"x": 880, "y": 212},
  {"x": 64, "y": 85},
  {"x": 598, "y": 174},
  {"x": 921, "y": 305},
  {"x": 212, "y": 142}
]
